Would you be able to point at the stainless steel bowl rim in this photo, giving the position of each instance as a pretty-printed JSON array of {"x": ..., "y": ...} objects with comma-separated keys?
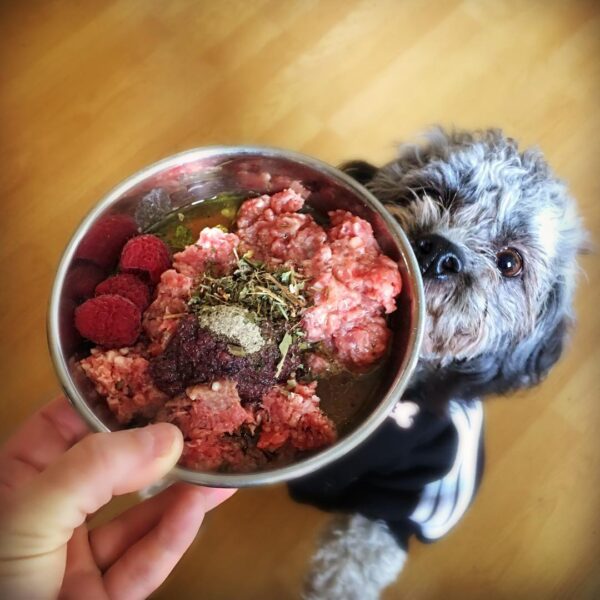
[{"x": 306, "y": 465}]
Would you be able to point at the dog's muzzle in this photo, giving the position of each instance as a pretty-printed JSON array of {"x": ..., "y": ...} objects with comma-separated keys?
[{"x": 438, "y": 257}]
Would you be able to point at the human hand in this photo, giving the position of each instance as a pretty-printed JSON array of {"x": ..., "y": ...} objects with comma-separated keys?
[{"x": 53, "y": 475}]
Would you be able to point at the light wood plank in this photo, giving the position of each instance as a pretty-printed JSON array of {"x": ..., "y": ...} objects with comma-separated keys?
[{"x": 93, "y": 91}]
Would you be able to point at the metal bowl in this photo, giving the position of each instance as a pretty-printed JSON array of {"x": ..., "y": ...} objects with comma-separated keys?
[{"x": 199, "y": 174}]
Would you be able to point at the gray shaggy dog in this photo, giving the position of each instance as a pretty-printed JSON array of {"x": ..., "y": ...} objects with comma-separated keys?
[{"x": 496, "y": 235}]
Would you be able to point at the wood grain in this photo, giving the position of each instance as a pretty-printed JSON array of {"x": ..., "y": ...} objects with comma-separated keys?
[{"x": 92, "y": 91}]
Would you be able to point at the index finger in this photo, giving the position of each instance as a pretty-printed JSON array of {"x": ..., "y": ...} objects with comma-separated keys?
[{"x": 45, "y": 436}]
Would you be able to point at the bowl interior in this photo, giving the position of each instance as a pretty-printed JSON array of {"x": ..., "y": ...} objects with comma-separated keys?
[{"x": 195, "y": 177}]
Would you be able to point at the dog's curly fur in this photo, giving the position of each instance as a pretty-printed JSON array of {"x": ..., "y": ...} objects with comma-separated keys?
[
  {"x": 339, "y": 571},
  {"x": 485, "y": 333}
]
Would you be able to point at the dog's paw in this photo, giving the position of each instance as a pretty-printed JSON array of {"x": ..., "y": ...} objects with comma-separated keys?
[{"x": 356, "y": 559}]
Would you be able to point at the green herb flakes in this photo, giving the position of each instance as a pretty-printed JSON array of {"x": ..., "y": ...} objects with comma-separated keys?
[
  {"x": 284, "y": 348},
  {"x": 182, "y": 237},
  {"x": 236, "y": 350},
  {"x": 273, "y": 296}
]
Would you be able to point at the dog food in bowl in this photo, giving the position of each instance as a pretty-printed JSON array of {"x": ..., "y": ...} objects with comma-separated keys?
[{"x": 256, "y": 327}]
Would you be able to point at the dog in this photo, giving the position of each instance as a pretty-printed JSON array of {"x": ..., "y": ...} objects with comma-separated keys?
[{"x": 496, "y": 235}]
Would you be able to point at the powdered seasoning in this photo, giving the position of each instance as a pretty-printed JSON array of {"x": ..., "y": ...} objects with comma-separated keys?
[{"x": 233, "y": 323}]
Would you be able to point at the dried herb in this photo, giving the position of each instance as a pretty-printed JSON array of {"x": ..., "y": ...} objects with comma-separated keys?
[
  {"x": 178, "y": 238},
  {"x": 235, "y": 350},
  {"x": 268, "y": 295},
  {"x": 284, "y": 348},
  {"x": 182, "y": 237}
]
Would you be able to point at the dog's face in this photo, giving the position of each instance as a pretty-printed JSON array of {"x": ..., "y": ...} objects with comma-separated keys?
[{"x": 496, "y": 236}]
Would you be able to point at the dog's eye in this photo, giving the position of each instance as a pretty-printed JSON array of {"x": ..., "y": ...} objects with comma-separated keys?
[{"x": 510, "y": 262}]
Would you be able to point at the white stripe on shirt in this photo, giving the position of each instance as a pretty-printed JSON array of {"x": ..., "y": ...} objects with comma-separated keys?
[{"x": 454, "y": 491}]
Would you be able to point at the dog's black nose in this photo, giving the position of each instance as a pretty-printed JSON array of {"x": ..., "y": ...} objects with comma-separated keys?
[{"x": 438, "y": 257}]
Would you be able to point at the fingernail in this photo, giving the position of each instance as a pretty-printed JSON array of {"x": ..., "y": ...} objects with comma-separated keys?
[{"x": 164, "y": 437}]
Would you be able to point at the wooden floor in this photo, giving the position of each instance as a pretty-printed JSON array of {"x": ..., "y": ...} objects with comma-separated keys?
[{"x": 92, "y": 91}]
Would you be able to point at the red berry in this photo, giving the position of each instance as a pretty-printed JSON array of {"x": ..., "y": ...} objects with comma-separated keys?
[
  {"x": 111, "y": 321},
  {"x": 147, "y": 255},
  {"x": 103, "y": 243},
  {"x": 127, "y": 285}
]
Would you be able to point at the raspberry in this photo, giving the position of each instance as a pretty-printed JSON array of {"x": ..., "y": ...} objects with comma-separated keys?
[
  {"x": 127, "y": 285},
  {"x": 110, "y": 321},
  {"x": 147, "y": 255},
  {"x": 104, "y": 241}
]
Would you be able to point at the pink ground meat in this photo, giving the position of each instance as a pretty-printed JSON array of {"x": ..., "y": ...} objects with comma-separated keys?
[
  {"x": 336, "y": 308},
  {"x": 160, "y": 320},
  {"x": 214, "y": 249},
  {"x": 357, "y": 260},
  {"x": 215, "y": 452},
  {"x": 121, "y": 376},
  {"x": 271, "y": 228},
  {"x": 205, "y": 413},
  {"x": 363, "y": 344},
  {"x": 212, "y": 407},
  {"x": 294, "y": 417},
  {"x": 352, "y": 282},
  {"x": 353, "y": 285}
]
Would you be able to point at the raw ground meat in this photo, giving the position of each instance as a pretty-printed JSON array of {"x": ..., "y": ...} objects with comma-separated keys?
[
  {"x": 204, "y": 413},
  {"x": 352, "y": 283},
  {"x": 223, "y": 453},
  {"x": 122, "y": 377},
  {"x": 212, "y": 407},
  {"x": 294, "y": 417},
  {"x": 214, "y": 249},
  {"x": 364, "y": 344},
  {"x": 271, "y": 228},
  {"x": 357, "y": 260},
  {"x": 219, "y": 432},
  {"x": 161, "y": 318}
]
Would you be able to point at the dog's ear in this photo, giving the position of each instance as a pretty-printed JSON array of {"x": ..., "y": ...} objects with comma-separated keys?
[
  {"x": 529, "y": 362},
  {"x": 360, "y": 170}
]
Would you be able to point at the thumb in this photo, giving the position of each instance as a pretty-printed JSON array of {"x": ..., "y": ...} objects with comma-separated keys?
[{"x": 46, "y": 512}]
